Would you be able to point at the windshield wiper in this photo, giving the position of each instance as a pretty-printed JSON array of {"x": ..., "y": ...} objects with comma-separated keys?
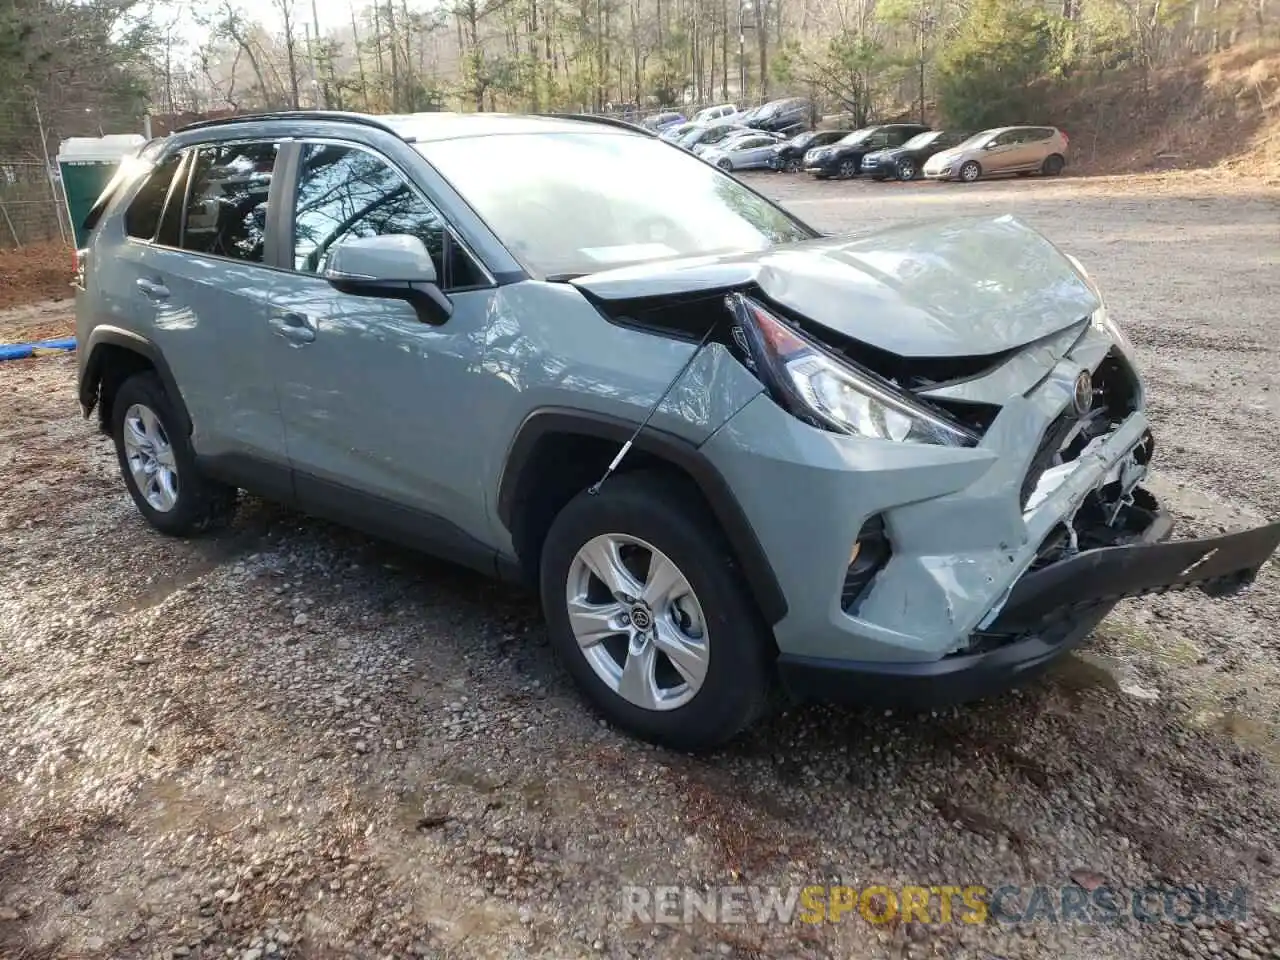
[{"x": 563, "y": 277}]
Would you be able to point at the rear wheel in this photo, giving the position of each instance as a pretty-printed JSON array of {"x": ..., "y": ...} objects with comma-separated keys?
[
  {"x": 971, "y": 171},
  {"x": 158, "y": 464},
  {"x": 907, "y": 169},
  {"x": 644, "y": 607},
  {"x": 1052, "y": 165}
]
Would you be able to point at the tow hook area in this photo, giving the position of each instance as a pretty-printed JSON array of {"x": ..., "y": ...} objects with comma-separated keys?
[{"x": 1118, "y": 554}]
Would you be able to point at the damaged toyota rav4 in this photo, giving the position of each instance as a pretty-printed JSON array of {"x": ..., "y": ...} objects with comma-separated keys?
[{"x": 730, "y": 452}]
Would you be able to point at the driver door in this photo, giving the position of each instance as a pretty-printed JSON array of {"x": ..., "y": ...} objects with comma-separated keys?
[{"x": 372, "y": 394}]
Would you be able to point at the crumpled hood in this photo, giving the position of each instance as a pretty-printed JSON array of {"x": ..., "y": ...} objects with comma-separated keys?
[{"x": 967, "y": 287}]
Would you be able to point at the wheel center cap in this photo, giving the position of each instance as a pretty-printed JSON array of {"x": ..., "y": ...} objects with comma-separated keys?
[{"x": 641, "y": 618}]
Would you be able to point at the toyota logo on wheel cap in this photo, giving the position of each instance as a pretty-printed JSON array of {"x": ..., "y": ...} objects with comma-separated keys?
[
  {"x": 641, "y": 618},
  {"x": 1082, "y": 394}
]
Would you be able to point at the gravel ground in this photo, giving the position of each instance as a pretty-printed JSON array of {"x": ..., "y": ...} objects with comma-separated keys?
[{"x": 291, "y": 740}]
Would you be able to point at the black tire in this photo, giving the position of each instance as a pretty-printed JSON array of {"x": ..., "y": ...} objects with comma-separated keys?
[
  {"x": 660, "y": 509},
  {"x": 970, "y": 171},
  {"x": 792, "y": 166},
  {"x": 725, "y": 164},
  {"x": 1053, "y": 165},
  {"x": 908, "y": 170},
  {"x": 848, "y": 169},
  {"x": 201, "y": 504}
]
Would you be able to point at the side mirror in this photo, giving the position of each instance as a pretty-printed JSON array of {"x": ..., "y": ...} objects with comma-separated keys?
[
  {"x": 392, "y": 265},
  {"x": 990, "y": 145}
]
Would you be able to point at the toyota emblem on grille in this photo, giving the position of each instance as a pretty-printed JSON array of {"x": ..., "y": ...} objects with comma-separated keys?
[{"x": 1082, "y": 395}]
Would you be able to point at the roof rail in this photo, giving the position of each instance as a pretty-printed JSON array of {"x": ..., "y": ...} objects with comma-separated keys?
[
  {"x": 338, "y": 115},
  {"x": 606, "y": 121}
]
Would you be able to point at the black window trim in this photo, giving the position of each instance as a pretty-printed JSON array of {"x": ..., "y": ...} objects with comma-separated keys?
[
  {"x": 180, "y": 176},
  {"x": 141, "y": 184},
  {"x": 186, "y": 167},
  {"x": 287, "y": 211}
]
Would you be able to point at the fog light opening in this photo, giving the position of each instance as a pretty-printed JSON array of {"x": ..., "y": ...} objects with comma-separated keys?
[{"x": 870, "y": 553}]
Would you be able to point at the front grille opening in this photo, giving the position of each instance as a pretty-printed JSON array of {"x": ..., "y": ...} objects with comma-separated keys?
[{"x": 873, "y": 553}]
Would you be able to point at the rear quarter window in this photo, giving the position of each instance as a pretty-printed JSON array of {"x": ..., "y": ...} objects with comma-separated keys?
[{"x": 142, "y": 218}]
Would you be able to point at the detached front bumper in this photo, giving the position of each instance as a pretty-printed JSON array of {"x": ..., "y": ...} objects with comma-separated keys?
[{"x": 1048, "y": 612}]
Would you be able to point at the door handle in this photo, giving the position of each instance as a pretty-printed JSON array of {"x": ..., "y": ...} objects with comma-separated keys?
[
  {"x": 153, "y": 289},
  {"x": 294, "y": 327}
]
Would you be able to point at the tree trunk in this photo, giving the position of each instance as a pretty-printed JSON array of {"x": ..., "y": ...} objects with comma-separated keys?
[
  {"x": 762, "y": 43},
  {"x": 724, "y": 50}
]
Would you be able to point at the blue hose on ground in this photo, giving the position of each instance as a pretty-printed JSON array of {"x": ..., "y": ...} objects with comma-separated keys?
[{"x": 19, "y": 351}]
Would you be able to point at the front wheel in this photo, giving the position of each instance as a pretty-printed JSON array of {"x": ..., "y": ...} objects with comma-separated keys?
[
  {"x": 970, "y": 172},
  {"x": 644, "y": 607},
  {"x": 848, "y": 168},
  {"x": 725, "y": 164},
  {"x": 791, "y": 166},
  {"x": 907, "y": 170}
]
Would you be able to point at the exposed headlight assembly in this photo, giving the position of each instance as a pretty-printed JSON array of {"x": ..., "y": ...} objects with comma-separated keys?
[
  {"x": 829, "y": 392},
  {"x": 1101, "y": 319}
]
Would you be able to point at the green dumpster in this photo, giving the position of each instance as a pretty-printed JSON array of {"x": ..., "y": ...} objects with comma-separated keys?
[{"x": 86, "y": 165}]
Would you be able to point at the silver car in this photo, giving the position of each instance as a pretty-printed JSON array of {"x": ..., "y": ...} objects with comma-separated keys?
[
  {"x": 749, "y": 151},
  {"x": 727, "y": 451},
  {"x": 1003, "y": 150}
]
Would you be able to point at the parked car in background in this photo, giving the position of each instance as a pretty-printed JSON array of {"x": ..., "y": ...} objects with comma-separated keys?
[
  {"x": 905, "y": 162},
  {"x": 790, "y": 116},
  {"x": 723, "y": 112},
  {"x": 789, "y": 156},
  {"x": 708, "y": 135},
  {"x": 750, "y": 151},
  {"x": 675, "y": 131},
  {"x": 844, "y": 159},
  {"x": 1003, "y": 150},
  {"x": 660, "y": 121}
]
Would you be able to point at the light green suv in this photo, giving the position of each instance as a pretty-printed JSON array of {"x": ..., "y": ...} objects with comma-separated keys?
[{"x": 728, "y": 451}]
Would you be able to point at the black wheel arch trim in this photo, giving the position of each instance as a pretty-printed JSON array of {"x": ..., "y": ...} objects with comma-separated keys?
[
  {"x": 667, "y": 446},
  {"x": 91, "y": 373}
]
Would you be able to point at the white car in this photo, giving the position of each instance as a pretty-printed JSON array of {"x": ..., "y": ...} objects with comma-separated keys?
[{"x": 724, "y": 111}]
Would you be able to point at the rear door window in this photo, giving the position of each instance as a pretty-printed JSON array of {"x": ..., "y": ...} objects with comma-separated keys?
[
  {"x": 226, "y": 209},
  {"x": 143, "y": 215}
]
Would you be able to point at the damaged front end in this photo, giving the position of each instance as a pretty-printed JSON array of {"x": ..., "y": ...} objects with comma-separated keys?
[{"x": 969, "y": 436}]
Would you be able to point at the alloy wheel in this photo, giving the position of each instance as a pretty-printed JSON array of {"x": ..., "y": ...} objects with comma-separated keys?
[
  {"x": 637, "y": 621},
  {"x": 150, "y": 458},
  {"x": 906, "y": 170}
]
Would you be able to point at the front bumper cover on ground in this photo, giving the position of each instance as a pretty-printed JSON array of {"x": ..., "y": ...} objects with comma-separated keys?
[{"x": 1048, "y": 612}]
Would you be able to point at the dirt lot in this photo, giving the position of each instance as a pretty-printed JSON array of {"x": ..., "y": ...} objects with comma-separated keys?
[{"x": 293, "y": 740}]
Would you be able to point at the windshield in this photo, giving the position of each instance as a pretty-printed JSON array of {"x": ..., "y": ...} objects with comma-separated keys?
[
  {"x": 716, "y": 134},
  {"x": 976, "y": 139},
  {"x": 857, "y": 136},
  {"x": 802, "y": 139},
  {"x": 922, "y": 140},
  {"x": 582, "y": 202}
]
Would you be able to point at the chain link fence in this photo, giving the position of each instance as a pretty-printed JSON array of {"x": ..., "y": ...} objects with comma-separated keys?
[{"x": 32, "y": 207}]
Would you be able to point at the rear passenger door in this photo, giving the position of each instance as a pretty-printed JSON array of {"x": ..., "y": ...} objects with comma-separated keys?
[{"x": 204, "y": 277}]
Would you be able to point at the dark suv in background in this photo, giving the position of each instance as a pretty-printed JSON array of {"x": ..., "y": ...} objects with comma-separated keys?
[
  {"x": 790, "y": 116},
  {"x": 906, "y": 162},
  {"x": 844, "y": 159},
  {"x": 789, "y": 156}
]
